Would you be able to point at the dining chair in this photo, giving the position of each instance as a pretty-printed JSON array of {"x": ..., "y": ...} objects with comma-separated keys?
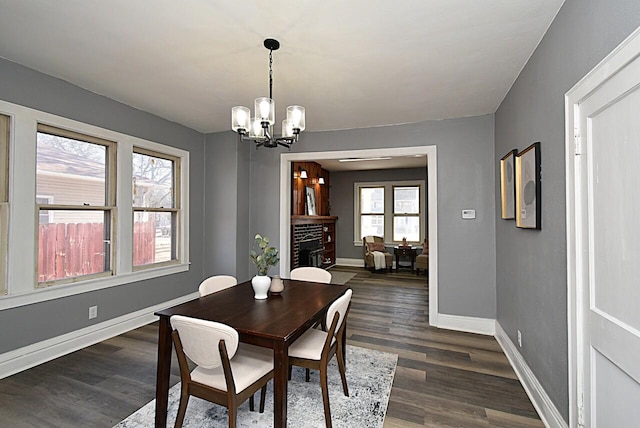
[
  {"x": 216, "y": 283},
  {"x": 315, "y": 348},
  {"x": 227, "y": 377},
  {"x": 309, "y": 273}
]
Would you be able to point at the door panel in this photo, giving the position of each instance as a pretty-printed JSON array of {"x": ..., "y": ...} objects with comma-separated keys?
[
  {"x": 609, "y": 216},
  {"x": 619, "y": 408}
]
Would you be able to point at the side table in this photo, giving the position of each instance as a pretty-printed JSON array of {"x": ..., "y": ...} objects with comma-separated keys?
[{"x": 405, "y": 253}]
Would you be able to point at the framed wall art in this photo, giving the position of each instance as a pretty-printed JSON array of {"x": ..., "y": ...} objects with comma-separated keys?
[
  {"x": 528, "y": 203},
  {"x": 311, "y": 200},
  {"x": 508, "y": 185}
]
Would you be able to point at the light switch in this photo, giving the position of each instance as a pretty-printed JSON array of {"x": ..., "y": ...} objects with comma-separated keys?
[{"x": 468, "y": 214}]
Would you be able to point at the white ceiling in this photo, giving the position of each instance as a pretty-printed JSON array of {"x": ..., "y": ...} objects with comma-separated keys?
[{"x": 352, "y": 64}]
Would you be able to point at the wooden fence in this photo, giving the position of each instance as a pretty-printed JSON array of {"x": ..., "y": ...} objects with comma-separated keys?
[{"x": 73, "y": 249}]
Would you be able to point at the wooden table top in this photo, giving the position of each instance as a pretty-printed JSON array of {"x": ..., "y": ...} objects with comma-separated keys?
[{"x": 279, "y": 317}]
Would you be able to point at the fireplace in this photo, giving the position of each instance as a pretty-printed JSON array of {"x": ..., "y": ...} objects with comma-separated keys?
[{"x": 310, "y": 253}]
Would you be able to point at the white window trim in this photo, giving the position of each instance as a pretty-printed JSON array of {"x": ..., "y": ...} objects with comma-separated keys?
[
  {"x": 22, "y": 271},
  {"x": 4, "y": 206},
  {"x": 388, "y": 208}
]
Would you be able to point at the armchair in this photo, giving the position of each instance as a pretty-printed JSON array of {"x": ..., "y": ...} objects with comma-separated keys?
[
  {"x": 375, "y": 243},
  {"x": 422, "y": 260}
]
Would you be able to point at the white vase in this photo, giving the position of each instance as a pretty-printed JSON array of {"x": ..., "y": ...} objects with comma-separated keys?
[{"x": 260, "y": 284}]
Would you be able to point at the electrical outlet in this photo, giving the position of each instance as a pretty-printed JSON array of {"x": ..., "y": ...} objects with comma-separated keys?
[
  {"x": 93, "y": 312},
  {"x": 519, "y": 339}
]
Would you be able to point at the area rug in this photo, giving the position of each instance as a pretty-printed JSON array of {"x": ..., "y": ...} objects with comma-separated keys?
[
  {"x": 341, "y": 278},
  {"x": 369, "y": 377}
]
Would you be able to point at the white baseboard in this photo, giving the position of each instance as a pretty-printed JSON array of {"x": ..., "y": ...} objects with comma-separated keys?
[
  {"x": 32, "y": 355},
  {"x": 548, "y": 412},
  {"x": 467, "y": 324},
  {"x": 349, "y": 262}
]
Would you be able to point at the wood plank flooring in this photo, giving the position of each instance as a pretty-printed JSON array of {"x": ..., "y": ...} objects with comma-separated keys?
[{"x": 443, "y": 379}]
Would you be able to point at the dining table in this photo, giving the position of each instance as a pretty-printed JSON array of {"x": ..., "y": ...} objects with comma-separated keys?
[{"x": 275, "y": 322}]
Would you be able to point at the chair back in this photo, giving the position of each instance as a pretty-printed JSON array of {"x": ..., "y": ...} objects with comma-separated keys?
[
  {"x": 340, "y": 305},
  {"x": 369, "y": 239},
  {"x": 216, "y": 283},
  {"x": 200, "y": 339},
  {"x": 313, "y": 274}
]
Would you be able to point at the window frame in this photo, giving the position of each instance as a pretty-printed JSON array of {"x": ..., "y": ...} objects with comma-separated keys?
[
  {"x": 174, "y": 210},
  {"x": 360, "y": 214},
  {"x": 5, "y": 135},
  {"x": 394, "y": 214},
  {"x": 21, "y": 271},
  {"x": 389, "y": 209},
  {"x": 108, "y": 208}
]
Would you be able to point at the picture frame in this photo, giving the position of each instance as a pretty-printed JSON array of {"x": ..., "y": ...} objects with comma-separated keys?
[
  {"x": 528, "y": 190},
  {"x": 311, "y": 200},
  {"x": 508, "y": 185}
]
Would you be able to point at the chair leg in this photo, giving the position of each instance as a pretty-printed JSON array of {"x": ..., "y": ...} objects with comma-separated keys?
[
  {"x": 325, "y": 396},
  {"x": 251, "y": 404},
  {"x": 306, "y": 375},
  {"x": 233, "y": 416},
  {"x": 263, "y": 397},
  {"x": 182, "y": 409},
  {"x": 343, "y": 375}
]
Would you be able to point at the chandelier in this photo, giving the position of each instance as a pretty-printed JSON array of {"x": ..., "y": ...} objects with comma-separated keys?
[{"x": 259, "y": 128}]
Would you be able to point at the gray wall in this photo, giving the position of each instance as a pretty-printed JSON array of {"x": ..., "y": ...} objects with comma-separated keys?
[
  {"x": 465, "y": 180},
  {"x": 531, "y": 265},
  {"x": 227, "y": 206},
  {"x": 342, "y": 201},
  {"x": 33, "y": 323}
]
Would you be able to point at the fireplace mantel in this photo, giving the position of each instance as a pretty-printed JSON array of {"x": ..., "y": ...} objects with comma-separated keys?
[{"x": 313, "y": 219}]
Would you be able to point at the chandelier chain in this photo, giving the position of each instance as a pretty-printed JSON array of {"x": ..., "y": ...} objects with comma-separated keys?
[{"x": 270, "y": 74}]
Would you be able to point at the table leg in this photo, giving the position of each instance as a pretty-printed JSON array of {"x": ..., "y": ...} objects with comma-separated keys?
[
  {"x": 163, "y": 372},
  {"x": 280, "y": 382}
]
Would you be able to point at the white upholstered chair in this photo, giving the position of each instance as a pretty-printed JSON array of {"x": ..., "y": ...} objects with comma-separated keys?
[
  {"x": 314, "y": 274},
  {"x": 227, "y": 372},
  {"x": 315, "y": 348},
  {"x": 216, "y": 283}
]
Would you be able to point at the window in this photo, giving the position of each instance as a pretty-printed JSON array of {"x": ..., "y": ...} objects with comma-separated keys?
[
  {"x": 75, "y": 232},
  {"x": 406, "y": 213},
  {"x": 393, "y": 210},
  {"x": 155, "y": 207},
  {"x": 371, "y": 211},
  {"x": 66, "y": 191},
  {"x": 4, "y": 199}
]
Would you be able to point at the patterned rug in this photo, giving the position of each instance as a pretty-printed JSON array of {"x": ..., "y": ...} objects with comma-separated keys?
[{"x": 369, "y": 377}]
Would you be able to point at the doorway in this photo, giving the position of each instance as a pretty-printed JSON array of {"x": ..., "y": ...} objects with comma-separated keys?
[{"x": 430, "y": 151}]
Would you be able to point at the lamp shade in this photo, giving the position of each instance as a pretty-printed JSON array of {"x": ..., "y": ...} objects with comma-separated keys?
[
  {"x": 240, "y": 119},
  {"x": 321, "y": 180},
  {"x": 287, "y": 129},
  {"x": 265, "y": 110},
  {"x": 256, "y": 131},
  {"x": 295, "y": 116},
  {"x": 303, "y": 173}
]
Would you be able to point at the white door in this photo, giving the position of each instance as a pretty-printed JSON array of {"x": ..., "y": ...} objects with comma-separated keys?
[{"x": 607, "y": 173}]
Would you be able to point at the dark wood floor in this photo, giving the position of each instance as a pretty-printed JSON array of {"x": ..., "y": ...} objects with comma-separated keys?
[{"x": 443, "y": 379}]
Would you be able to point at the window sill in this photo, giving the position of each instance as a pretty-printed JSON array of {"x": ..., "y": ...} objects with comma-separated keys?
[{"x": 65, "y": 290}]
